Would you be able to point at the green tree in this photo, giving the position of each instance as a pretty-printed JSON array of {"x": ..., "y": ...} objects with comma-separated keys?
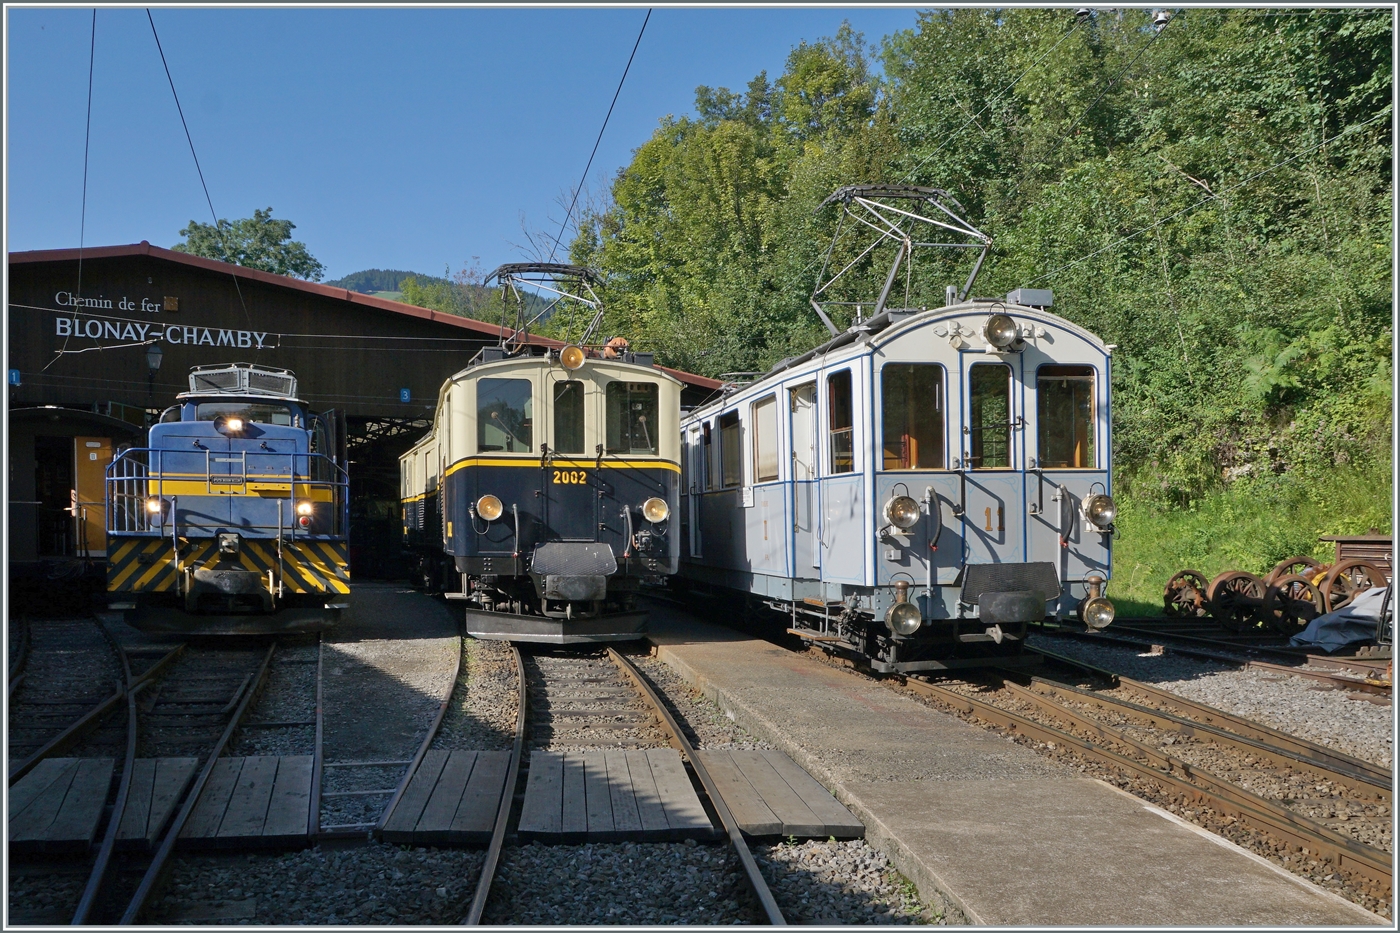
[{"x": 257, "y": 242}]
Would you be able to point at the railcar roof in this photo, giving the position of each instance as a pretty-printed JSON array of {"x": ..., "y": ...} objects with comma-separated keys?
[{"x": 889, "y": 324}]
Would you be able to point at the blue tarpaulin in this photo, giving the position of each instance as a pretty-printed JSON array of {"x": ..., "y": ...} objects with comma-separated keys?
[{"x": 1353, "y": 624}]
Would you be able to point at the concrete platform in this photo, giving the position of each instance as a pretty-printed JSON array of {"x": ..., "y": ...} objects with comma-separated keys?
[{"x": 1010, "y": 837}]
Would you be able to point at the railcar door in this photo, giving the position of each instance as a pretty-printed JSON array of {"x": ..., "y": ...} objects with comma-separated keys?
[
  {"x": 802, "y": 406},
  {"x": 570, "y": 483},
  {"x": 993, "y": 505}
]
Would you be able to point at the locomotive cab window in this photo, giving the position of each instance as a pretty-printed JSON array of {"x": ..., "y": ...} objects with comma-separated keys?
[
  {"x": 631, "y": 417},
  {"x": 841, "y": 422},
  {"x": 989, "y": 410},
  {"x": 253, "y": 412},
  {"x": 504, "y": 415},
  {"x": 912, "y": 415},
  {"x": 731, "y": 451},
  {"x": 568, "y": 417},
  {"x": 1065, "y": 417},
  {"x": 765, "y": 439}
]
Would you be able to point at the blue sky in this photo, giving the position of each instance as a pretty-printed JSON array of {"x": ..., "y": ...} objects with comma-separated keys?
[{"x": 393, "y": 138}]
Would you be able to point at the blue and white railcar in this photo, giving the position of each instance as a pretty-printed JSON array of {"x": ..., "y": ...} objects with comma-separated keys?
[{"x": 917, "y": 490}]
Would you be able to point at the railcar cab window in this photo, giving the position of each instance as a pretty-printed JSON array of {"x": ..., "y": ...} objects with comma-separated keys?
[
  {"x": 170, "y": 415},
  {"x": 912, "y": 402},
  {"x": 1065, "y": 417},
  {"x": 708, "y": 459},
  {"x": 631, "y": 417},
  {"x": 989, "y": 409},
  {"x": 765, "y": 439},
  {"x": 252, "y": 412},
  {"x": 731, "y": 450},
  {"x": 841, "y": 422},
  {"x": 504, "y": 415},
  {"x": 568, "y": 417}
]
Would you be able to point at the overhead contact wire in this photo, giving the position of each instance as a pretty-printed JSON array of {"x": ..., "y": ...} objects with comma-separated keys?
[
  {"x": 87, "y": 140},
  {"x": 572, "y": 204},
  {"x": 218, "y": 231}
]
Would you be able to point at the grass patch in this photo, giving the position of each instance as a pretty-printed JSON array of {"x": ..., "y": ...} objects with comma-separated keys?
[{"x": 1250, "y": 525}]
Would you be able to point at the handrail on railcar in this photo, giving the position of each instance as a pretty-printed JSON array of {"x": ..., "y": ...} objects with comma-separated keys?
[{"x": 138, "y": 473}]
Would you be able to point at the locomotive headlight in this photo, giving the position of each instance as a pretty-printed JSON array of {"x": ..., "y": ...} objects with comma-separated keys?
[
  {"x": 902, "y": 512},
  {"x": 154, "y": 505},
  {"x": 1097, "y": 613},
  {"x": 304, "y": 507},
  {"x": 489, "y": 507},
  {"x": 1100, "y": 510},
  {"x": 656, "y": 510},
  {"x": 571, "y": 358},
  {"x": 1000, "y": 331},
  {"x": 234, "y": 424},
  {"x": 904, "y": 618}
]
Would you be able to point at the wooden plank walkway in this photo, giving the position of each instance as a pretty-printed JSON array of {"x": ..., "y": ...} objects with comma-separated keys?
[
  {"x": 157, "y": 786},
  {"x": 261, "y": 800},
  {"x": 451, "y": 800},
  {"x": 769, "y": 795},
  {"x": 57, "y": 806},
  {"x": 641, "y": 795}
]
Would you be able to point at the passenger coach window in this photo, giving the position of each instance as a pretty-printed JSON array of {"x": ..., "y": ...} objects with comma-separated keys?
[
  {"x": 989, "y": 388},
  {"x": 731, "y": 450},
  {"x": 1065, "y": 417},
  {"x": 765, "y": 439},
  {"x": 504, "y": 415},
  {"x": 912, "y": 397},
  {"x": 568, "y": 417},
  {"x": 631, "y": 417},
  {"x": 841, "y": 420}
]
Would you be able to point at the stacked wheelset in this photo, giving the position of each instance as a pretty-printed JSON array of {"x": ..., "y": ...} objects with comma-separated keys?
[{"x": 1296, "y": 591}]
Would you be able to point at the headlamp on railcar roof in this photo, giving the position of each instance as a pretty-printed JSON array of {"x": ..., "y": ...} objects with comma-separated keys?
[
  {"x": 902, "y": 512},
  {"x": 489, "y": 507},
  {"x": 656, "y": 510},
  {"x": 571, "y": 357},
  {"x": 1096, "y": 613},
  {"x": 1101, "y": 511},
  {"x": 1001, "y": 332}
]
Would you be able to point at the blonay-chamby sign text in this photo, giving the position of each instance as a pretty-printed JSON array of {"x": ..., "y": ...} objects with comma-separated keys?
[{"x": 115, "y": 331}]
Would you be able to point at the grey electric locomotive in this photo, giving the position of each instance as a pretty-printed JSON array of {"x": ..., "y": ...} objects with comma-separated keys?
[{"x": 918, "y": 489}]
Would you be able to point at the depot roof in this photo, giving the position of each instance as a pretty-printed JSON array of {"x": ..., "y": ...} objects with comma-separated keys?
[{"x": 144, "y": 248}]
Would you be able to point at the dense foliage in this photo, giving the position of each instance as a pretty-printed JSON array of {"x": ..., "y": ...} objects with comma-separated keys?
[
  {"x": 257, "y": 242},
  {"x": 1213, "y": 197}
]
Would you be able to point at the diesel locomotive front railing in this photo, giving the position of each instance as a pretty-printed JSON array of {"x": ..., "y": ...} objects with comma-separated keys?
[{"x": 142, "y": 475}]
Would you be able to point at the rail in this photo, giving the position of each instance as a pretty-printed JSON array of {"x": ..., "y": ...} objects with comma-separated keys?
[
  {"x": 140, "y": 475},
  {"x": 1265, "y": 815},
  {"x": 498, "y": 832},
  {"x": 156, "y": 871},
  {"x": 731, "y": 826}
]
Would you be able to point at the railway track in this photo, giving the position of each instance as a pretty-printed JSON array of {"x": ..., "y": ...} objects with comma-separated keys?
[
  {"x": 1310, "y": 803},
  {"x": 599, "y": 700},
  {"x": 1364, "y": 675},
  {"x": 179, "y": 703}
]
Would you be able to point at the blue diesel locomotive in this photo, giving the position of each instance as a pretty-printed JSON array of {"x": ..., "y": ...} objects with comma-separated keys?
[{"x": 233, "y": 520}]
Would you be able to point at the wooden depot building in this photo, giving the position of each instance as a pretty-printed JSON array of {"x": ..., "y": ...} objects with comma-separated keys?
[{"x": 100, "y": 343}]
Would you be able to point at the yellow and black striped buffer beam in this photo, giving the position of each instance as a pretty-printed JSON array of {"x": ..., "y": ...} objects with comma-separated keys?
[{"x": 150, "y": 565}]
